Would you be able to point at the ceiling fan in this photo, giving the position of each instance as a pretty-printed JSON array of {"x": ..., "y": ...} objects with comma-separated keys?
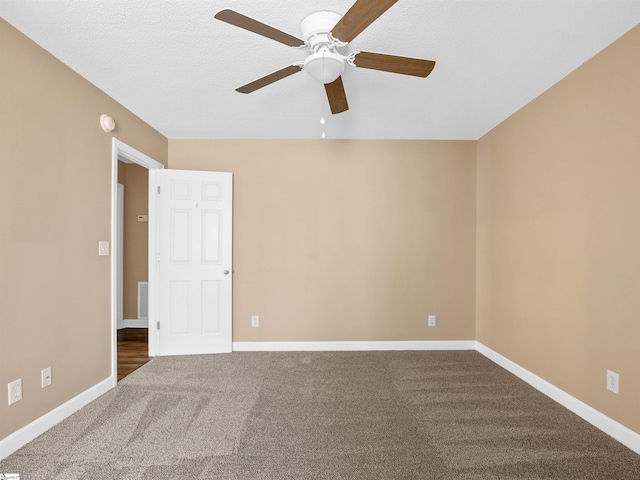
[{"x": 324, "y": 33}]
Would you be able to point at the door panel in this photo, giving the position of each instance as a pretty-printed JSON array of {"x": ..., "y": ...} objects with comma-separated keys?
[
  {"x": 210, "y": 306},
  {"x": 211, "y": 241},
  {"x": 180, "y": 236},
  {"x": 195, "y": 262}
]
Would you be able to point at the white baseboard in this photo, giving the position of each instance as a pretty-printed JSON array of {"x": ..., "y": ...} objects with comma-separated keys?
[
  {"x": 599, "y": 420},
  {"x": 353, "y": 346},
  {"x": 29, "y": 432},
  {"x": 135, "y": 323}
]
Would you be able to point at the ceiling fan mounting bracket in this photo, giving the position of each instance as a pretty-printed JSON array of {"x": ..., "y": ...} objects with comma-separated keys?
[{"x": 351, "y": 58}]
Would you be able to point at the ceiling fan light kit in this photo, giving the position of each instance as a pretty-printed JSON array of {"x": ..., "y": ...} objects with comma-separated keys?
[
  {"x": 324, "y": 66},
  {"x": 324, "y": 33}
]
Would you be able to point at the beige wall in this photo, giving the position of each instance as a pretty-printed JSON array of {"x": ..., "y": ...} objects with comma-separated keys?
[
  {"x": 55, "y": 205},
  {"x": 348, "y": 240},
  {"x": 344, "y": 240},
  {"x": 136, "y": 234},
  {"x": 559, "y": 233}
]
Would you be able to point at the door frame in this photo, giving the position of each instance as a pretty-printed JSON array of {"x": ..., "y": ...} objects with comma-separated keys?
[
  {"x": 118, "y": 252},
  {"x": 128, "y": 154}
]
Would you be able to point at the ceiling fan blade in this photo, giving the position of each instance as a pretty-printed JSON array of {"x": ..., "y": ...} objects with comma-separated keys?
[
  {"x": 361, "y": 14},
  {"x": 269, "y": 79},
  {"x": 391, "y": 63},
  {"x": 337, "y": 96},
  {"x": 242, "y": 21}
]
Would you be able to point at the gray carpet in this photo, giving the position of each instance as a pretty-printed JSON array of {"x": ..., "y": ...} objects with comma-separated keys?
[{"x": 339, "y": 415}]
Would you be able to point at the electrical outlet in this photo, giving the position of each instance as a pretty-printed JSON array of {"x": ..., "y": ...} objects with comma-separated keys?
[
  {"x": 15, "y": 391},
  {"x": 255, "y": 321},
  {"x": 103, "y": 249},
  {"x": 613, "y": 381},
  {"x": 432, "y": 321},
  {"x": 45, "y": 376}
]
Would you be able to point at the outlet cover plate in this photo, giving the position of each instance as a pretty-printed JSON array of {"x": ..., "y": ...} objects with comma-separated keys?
[
  {"x": 613, "y": 382},
  {"x": 255, "y": 321},
  {"x": 15, "y": 391},
  {"x": 431, "y": 321},
  {"x": 103, "y": 249}
]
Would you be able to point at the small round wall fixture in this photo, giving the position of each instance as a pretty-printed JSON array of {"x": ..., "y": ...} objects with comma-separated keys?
[{"x": 107, "y": 123}]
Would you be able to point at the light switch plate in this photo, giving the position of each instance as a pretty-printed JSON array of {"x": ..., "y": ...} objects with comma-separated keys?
[{"x": 46, "y": 377}]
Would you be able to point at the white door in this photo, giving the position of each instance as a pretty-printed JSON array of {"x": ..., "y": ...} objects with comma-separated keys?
[{"x": 195, "y": 268}]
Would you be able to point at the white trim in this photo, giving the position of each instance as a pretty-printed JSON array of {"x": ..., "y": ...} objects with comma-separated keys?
[
  {"x": 36, "y": 428},
  {"x": 599, "y": 420},
  {"x": 353, "y": 346},
  {"x": 141, "y": 286},
  {"x": 117, "y": 252},
  {"x": 129, "y": 154},
  {"x": 135, "y": 323},
  {"x": 122, "y": 151}
]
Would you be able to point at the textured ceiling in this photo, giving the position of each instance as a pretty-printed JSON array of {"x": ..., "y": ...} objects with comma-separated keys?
[{"x": 176, "y": 67}]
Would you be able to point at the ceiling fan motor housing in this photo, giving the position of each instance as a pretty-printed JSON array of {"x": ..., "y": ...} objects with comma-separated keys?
[
  {"x": 325, "y": 64},
  {"x": 316, "y": 27}
]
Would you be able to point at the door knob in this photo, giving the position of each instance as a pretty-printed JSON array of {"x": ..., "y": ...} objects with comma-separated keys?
[{"x": 226, "y": 272}]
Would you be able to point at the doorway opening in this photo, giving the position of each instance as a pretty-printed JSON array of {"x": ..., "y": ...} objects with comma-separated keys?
[
  {"x": 133, "y": 342},
  {"x": 132, "y": 256}
]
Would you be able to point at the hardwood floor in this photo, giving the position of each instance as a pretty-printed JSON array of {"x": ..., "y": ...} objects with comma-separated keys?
[{"x": 132, "y": 350}]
